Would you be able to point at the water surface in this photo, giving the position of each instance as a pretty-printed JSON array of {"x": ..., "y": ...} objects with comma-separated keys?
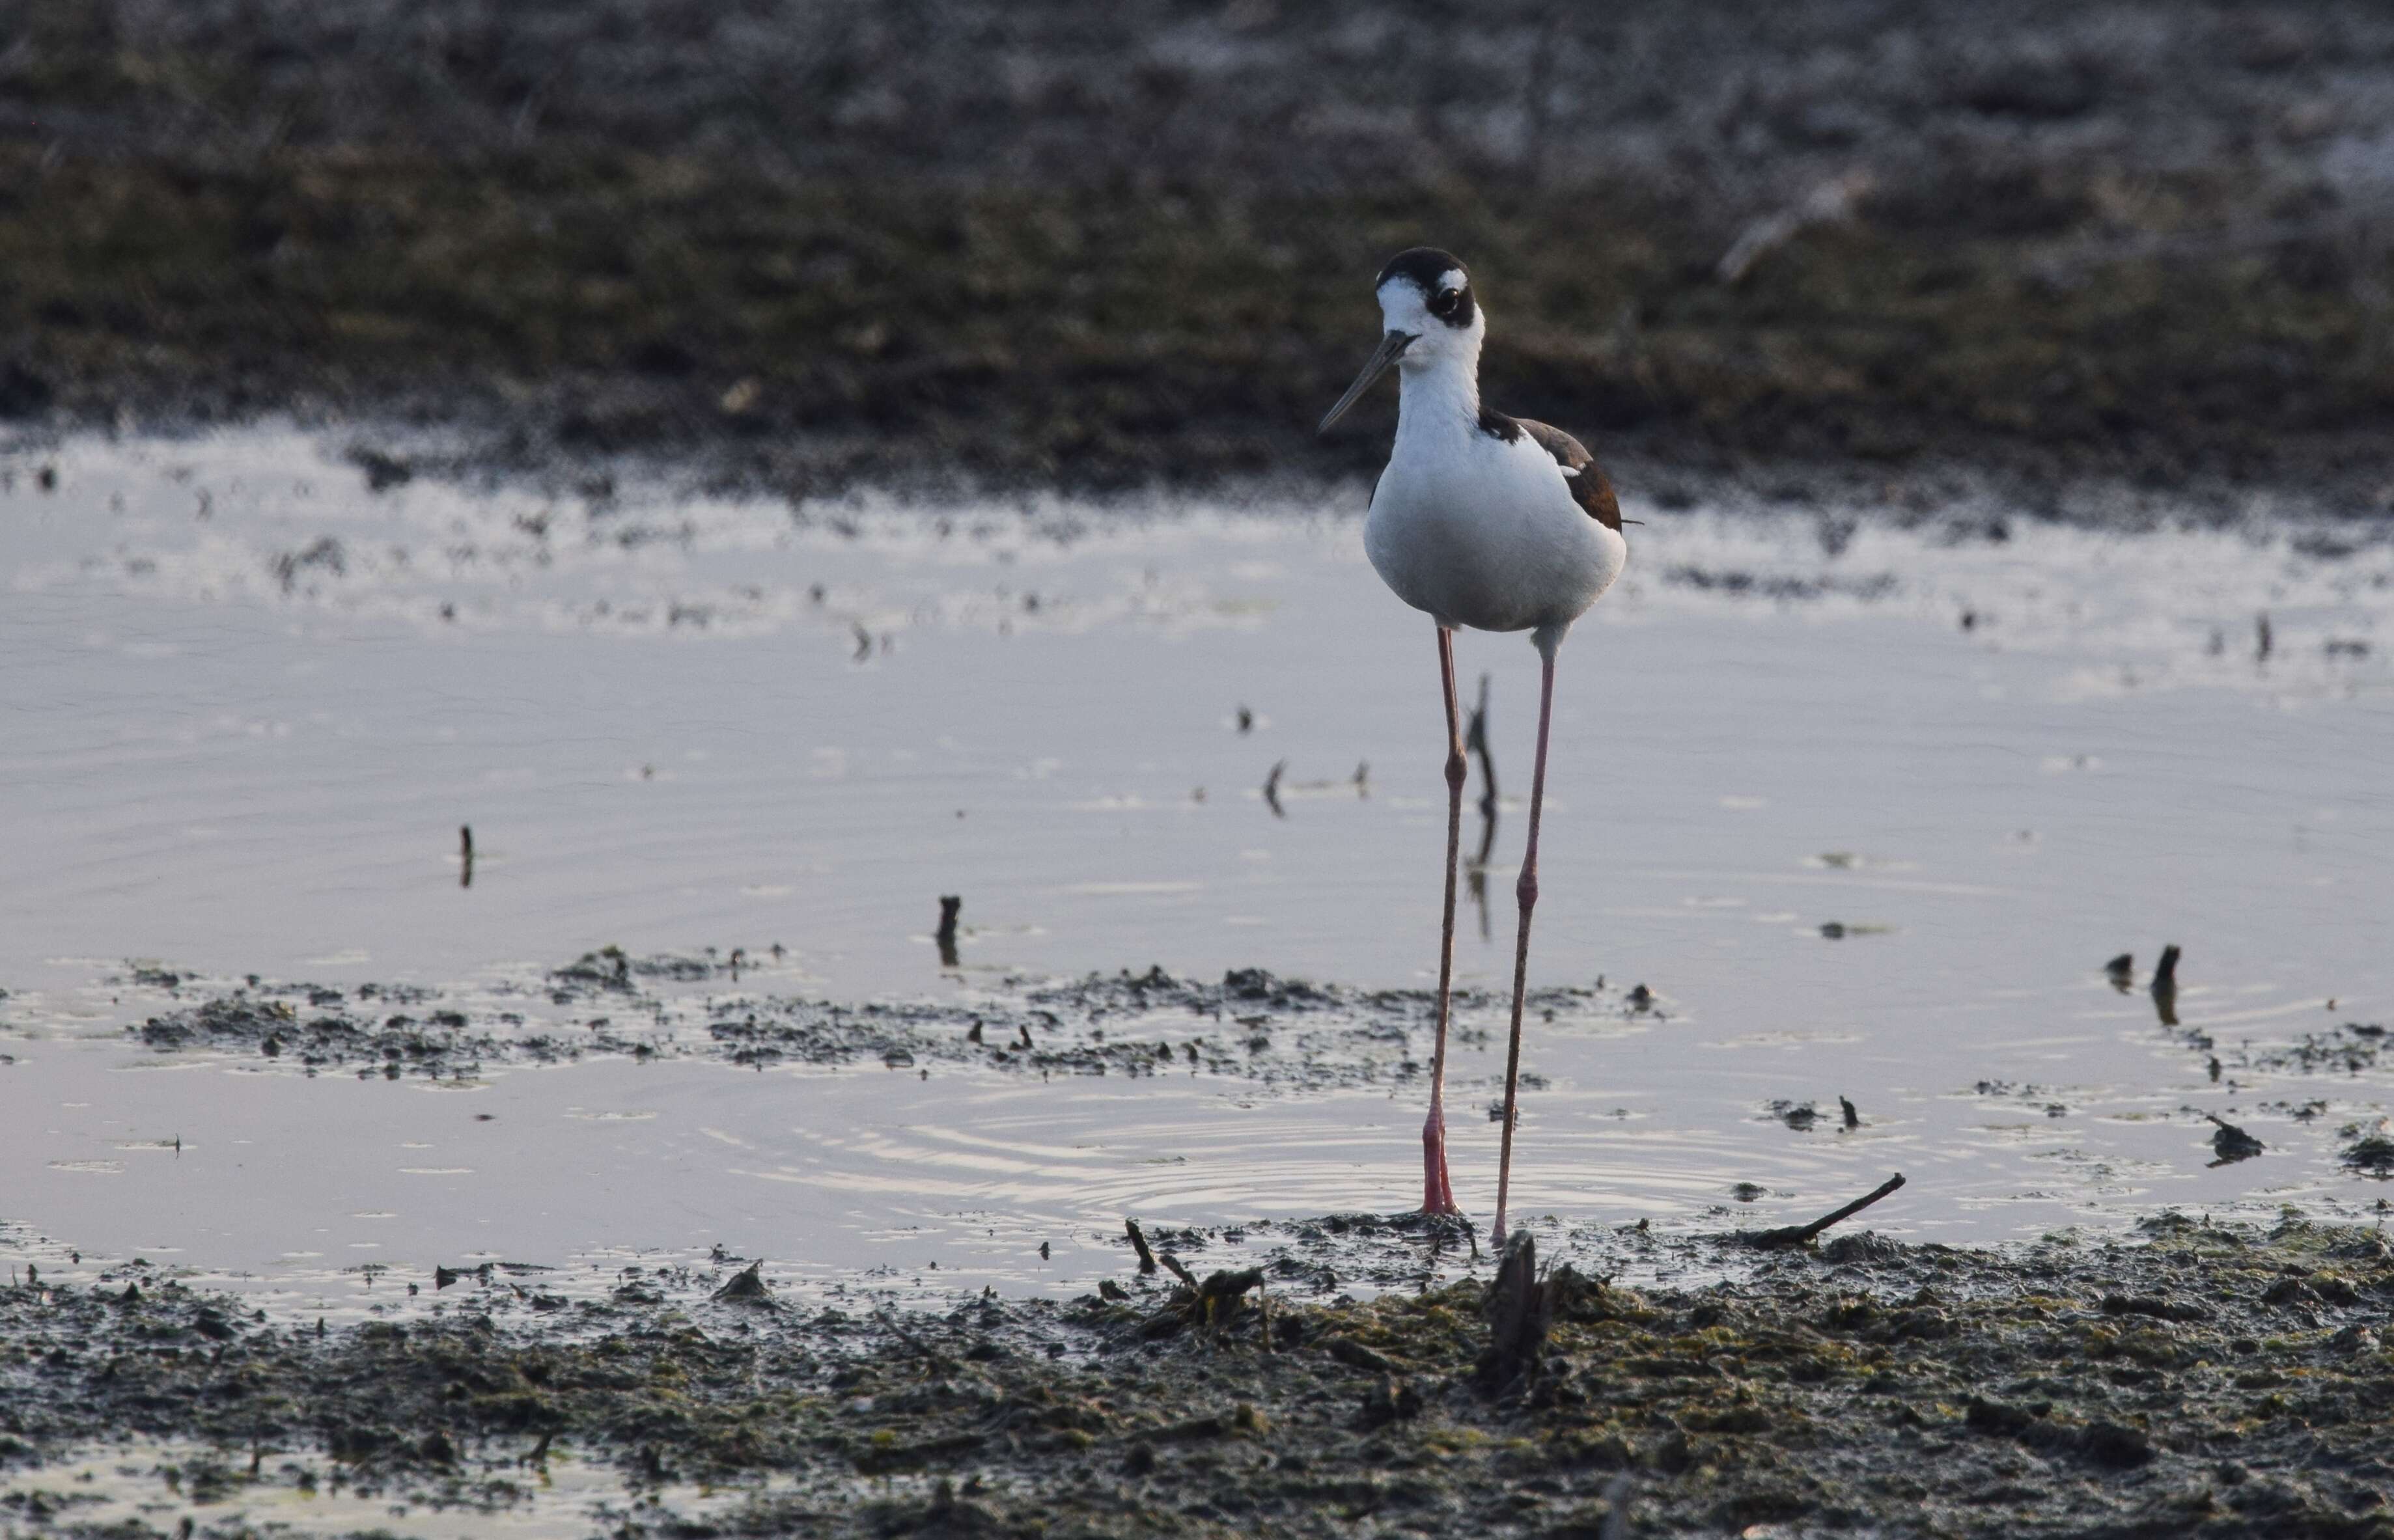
[{"x": 1867, "y": 809}]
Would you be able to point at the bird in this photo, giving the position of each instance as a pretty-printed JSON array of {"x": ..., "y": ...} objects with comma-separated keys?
[{"x": 1488, "y": 521}]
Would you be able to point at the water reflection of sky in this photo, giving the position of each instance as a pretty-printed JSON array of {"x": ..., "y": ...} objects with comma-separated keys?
[{"x": 1860, "y": 848}]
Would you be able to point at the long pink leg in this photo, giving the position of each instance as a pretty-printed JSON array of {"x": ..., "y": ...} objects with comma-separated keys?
[
  {"x": 1527, "y": 890},
  {"x": 1438, "y": 1197}
]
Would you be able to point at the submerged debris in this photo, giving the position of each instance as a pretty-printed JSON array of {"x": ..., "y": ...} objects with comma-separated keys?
[
  {"x": 2372, "y": 1155},
  {"x": 1251, "y": 1025},
  {"x": 2350, "y": 1048},
  {"x": 747, "y": 1288},
  {"x": 2232, "y": 1143}
]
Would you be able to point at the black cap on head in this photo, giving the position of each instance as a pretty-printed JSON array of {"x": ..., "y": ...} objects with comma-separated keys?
[{"x": 1422, "y": 267}]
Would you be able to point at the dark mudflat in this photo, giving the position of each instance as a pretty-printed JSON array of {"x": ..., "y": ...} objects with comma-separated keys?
[
  {"x": 1250, "y": 1025},
  {"x": 2197, "y": 1380},
  {"x": 798, "y": 247}
]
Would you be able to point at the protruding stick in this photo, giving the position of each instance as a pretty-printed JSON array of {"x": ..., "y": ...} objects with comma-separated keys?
[
  {"x": 949, "y": 904},
  {"x": 1801, "y": 1234},
  {"x": 2165, "y": 988}
]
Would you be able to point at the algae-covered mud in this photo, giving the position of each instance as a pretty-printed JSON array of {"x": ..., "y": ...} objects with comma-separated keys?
[
  {"x": 810, "y": 243},
  {"x": 2193, "y": 1379}
]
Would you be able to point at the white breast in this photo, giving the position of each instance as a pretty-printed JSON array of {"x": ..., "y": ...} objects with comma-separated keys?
[{"x": 1483, "y": 532}]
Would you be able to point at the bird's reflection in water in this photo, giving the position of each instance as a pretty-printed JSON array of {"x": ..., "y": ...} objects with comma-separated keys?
[{"x": 1475, "y": 742}]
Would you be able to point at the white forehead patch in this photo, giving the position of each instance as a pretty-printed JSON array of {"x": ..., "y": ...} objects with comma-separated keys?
[{"x": 1451, "y": 279}]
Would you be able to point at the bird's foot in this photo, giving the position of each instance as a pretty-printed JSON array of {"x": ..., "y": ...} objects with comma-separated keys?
[{"x": 1438, "y": 1194}]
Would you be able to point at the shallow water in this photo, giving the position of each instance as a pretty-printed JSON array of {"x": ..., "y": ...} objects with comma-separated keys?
[
  {"x": 145, "y": 1485},
  {"x": 247, "y": 703}
]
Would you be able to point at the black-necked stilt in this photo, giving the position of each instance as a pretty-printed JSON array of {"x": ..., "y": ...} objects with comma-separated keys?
[{"x": 1487, "y": 521}]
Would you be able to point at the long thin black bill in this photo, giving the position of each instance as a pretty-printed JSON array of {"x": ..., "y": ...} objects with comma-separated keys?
[{"x": 1392, "y": 348}]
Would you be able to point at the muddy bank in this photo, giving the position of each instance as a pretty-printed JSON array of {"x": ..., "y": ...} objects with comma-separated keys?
[
  {"x": 1251, "y": 1025},
  {"x": 2199, "y": 1380},
  {"x": 799, "y": 246}
]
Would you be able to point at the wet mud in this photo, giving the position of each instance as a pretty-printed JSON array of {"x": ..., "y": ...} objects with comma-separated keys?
[
  {"x": 2194, "y": 1379},
  {"x": 1251, "y": 1025}
]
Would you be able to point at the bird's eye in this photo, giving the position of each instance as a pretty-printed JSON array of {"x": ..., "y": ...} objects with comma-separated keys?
[{"x": 1445, "y": 301}]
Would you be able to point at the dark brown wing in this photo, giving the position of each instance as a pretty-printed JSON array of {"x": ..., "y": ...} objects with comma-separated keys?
[{"x": 1580, "y": 473}]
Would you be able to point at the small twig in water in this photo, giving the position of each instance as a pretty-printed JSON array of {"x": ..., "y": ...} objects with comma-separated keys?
[
  {"x": 949, "y": 904},
  {"x": 1801, "y": 1234},
  {"x": 2164, "y": 986}
]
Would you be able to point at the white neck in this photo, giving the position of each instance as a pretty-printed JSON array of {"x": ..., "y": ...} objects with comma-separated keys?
[{"x": 1439, "y": 393}]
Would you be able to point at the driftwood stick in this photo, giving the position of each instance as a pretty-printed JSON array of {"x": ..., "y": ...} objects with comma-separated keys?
[
  {"x": 2165, "y": 970},
  {"x": 1138, "y": 1244},
  {"x": 1801, "y": 1234},
  {"x": 1172, "y": 1264},
  {"x": 1829, "y": 203}
]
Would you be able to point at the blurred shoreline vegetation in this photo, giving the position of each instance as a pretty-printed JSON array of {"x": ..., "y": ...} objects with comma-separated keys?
[{"x": 817, "y": 243}]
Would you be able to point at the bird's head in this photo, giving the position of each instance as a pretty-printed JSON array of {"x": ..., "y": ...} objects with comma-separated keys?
[{"x": 1429, "y": 320}]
